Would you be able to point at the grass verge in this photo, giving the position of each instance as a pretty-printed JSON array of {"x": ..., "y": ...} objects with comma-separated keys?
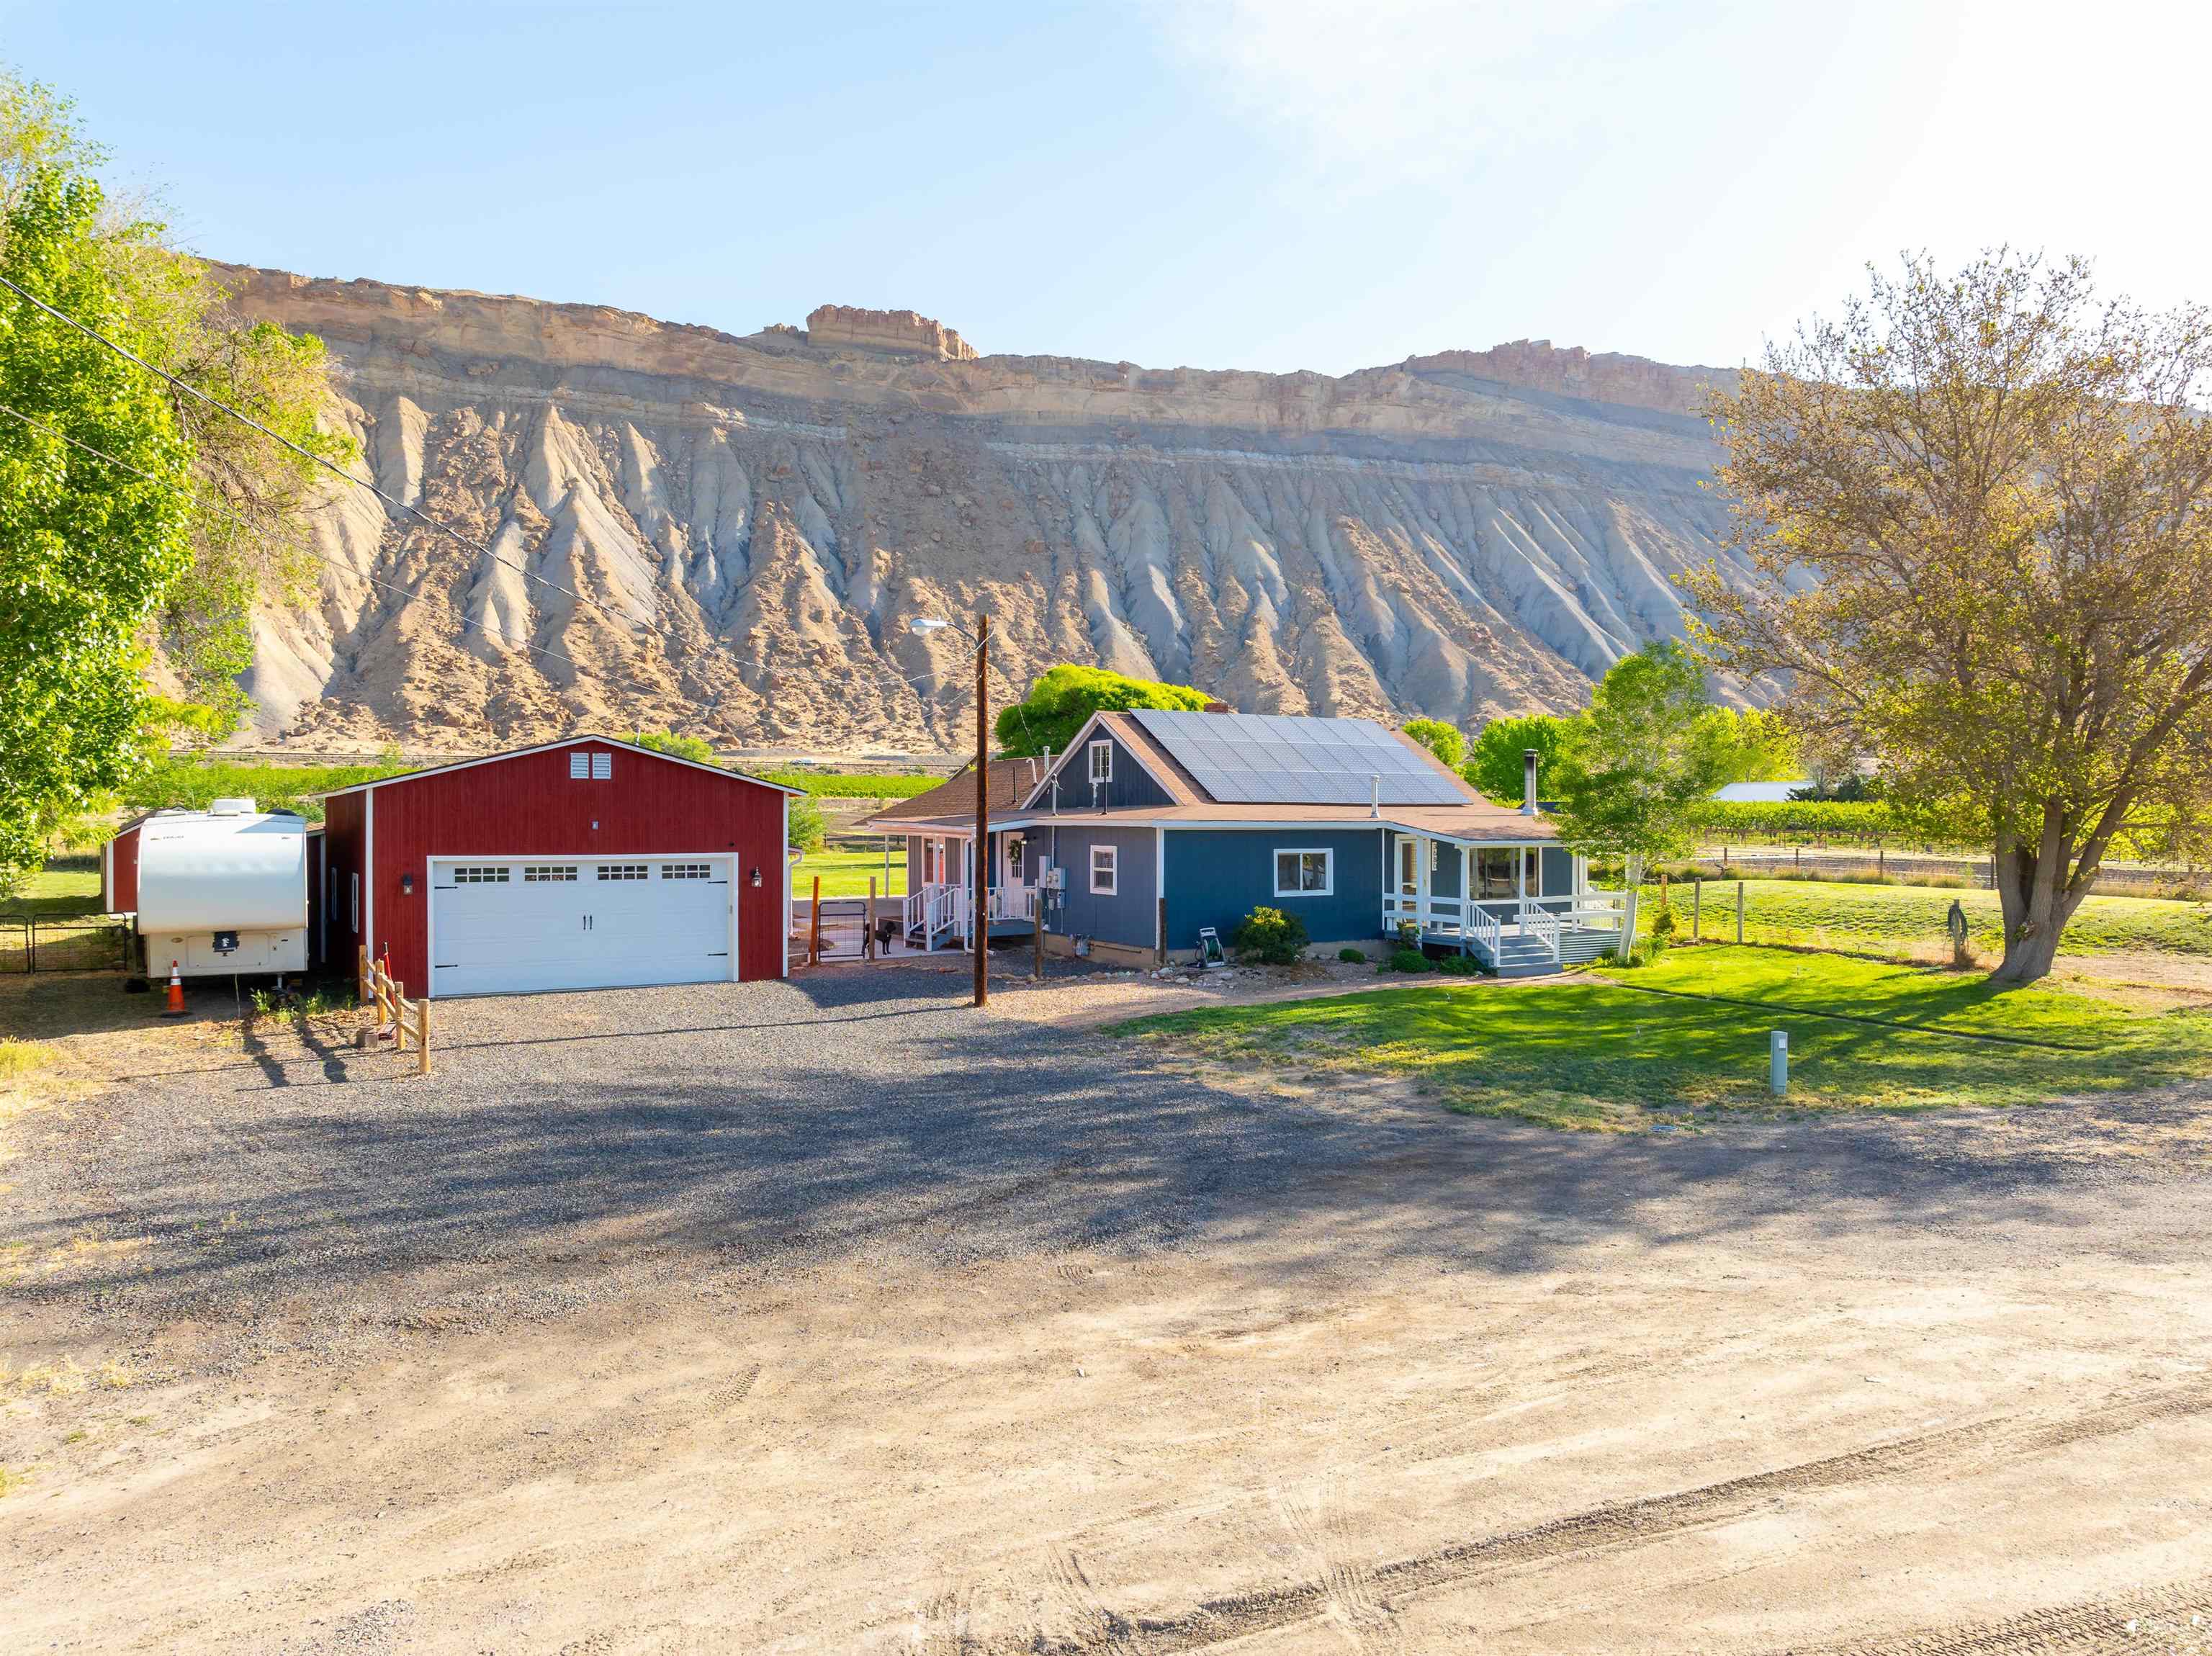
[{"x": 1599, "y": 1055}]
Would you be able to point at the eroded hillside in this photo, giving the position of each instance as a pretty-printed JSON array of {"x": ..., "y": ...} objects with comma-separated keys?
[{"x": 729, "y": 535}]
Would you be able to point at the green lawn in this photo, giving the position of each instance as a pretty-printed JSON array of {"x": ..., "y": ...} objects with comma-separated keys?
[
  {"x": 1601, "y": 1053},
  {"x": 1887, "y": 919},
  {"x": 54, "y": 894},
  {"x": 846, "y": 873}
]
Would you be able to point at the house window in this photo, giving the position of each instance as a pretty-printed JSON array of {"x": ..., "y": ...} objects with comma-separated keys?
[
  {"x": 1105, "y": 861},
  {"x": 490, "y": 874},
  {"x": 1102, "y": 761},
  {"x": 534, "y": 873},
  {"x": 1305, "y": 873},
  {"x": 685, "y": 871},
  {"x": 1495, "y": 872},
  {"x": 593, "y": 766},
  {"x": 603, "y": 767},
  {"x": 624, "y": 871}
]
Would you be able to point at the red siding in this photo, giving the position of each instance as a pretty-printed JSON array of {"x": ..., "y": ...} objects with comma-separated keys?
[
  {"x": 341, "y": 861},
  {"x": 118, "y": 892},
  {"x": 527, "y": 805}
]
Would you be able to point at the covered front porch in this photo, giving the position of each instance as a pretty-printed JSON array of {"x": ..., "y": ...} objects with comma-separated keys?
[
  {"x": 1518, "y": 909},
  {"x": 940, "y": 899}
]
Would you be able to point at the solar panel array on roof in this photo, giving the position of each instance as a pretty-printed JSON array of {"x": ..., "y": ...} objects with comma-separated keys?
[{"x": 1272, "y": 759}]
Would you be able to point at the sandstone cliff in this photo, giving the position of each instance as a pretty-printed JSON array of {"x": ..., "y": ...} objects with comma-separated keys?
[{"x": 729, "y": 535}]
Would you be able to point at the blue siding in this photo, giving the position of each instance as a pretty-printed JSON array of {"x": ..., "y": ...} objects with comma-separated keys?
[
  {"x": 1131, "y": 915},
  {"x": 1558, "y": 872},
  {"x": 1216, "y": 876},
  {"x": 1132, "y": 786}
]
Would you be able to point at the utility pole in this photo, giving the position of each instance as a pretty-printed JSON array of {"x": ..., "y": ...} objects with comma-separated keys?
[{"x": 983, "y": 921}]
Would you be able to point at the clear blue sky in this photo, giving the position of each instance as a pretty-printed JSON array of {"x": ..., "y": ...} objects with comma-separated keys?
[{"x": 1272, "y": 184}]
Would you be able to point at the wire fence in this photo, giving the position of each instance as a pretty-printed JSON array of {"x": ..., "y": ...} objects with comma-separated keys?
[
  {"x": 64, "y": 945},
  {"x": 2113, "y": 879}
]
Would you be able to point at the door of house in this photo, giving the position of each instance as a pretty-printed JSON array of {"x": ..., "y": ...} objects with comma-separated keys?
[{"x": 1409, "y": 866}]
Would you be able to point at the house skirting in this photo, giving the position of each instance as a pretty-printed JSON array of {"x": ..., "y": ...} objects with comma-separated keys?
[{"x": 1110, "y": 954}]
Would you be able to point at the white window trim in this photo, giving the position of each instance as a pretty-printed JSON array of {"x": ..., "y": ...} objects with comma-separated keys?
[
  {"x": 1328, "y": 866},
  {"x": 1091, "y": 760},
  {"x": 1112, "y": 889}
]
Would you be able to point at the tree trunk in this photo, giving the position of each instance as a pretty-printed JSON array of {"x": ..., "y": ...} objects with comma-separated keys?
[{"x": 2038, "y": 899}]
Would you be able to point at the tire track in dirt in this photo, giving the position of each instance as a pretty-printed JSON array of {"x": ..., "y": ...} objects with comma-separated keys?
[
  {"x": 1642, "y": 1522},
  {"x": 2170, "y": 1621}
]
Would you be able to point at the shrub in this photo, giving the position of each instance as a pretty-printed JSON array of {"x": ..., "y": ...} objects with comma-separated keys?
[
  {"x": 1663, "y": 922},
  {"x": 1352, "y": 956},
  {"x": 1269, "y": 936},
  {"x": 1407, "y": 960},
  {"x": 1459, "y": 966}
]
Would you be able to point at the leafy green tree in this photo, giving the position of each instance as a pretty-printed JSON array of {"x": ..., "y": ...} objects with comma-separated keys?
[
  {"x": 137, "y": 526},
  {"x": 1752, "y": 745},
  {"x": 693, "y": 748},
  {"x": 808, "y": 832},
  {"x": 1640, "y": 764},
  {"x": 2001, "y": 488},
  {"x": 1494, "y": 766},
  {"x": 1063, "y": 697},
  {"x": 1439, "y": 738}
]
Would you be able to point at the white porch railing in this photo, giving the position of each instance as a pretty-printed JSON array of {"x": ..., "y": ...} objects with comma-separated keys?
[
  {"x": 936, "y": 910},
  {"x": 1490, "y": 922}
]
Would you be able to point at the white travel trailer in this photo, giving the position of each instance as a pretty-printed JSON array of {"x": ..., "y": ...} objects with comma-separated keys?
[{"x": 222, "y": 890}]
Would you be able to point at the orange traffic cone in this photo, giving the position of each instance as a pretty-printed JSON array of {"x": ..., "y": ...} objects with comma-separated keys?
[{"x": 175, "y": 1009}]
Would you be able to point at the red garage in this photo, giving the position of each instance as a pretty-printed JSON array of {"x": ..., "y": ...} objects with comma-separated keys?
[{"x": 585, "y": 863}]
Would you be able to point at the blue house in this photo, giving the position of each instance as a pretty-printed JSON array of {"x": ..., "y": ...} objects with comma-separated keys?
[{"x": 1153, "y": 825}]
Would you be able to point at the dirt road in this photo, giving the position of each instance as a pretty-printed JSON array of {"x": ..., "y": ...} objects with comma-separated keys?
[{"x": 832, "y": 1318}]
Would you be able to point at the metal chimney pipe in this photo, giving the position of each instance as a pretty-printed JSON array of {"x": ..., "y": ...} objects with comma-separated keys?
[
  {"x": 1527, "y": 781},
  {"x": 1375, "y": 802}
]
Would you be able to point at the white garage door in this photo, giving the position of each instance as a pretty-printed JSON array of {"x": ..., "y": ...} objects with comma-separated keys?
[{"x": 500, "y": 926}]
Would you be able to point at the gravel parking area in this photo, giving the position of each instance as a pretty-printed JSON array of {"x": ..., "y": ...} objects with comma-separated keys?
[{"x": 832, "y": 1315}]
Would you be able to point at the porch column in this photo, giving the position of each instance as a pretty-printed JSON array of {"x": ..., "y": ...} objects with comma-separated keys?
[
  {"x": 1520, "y": 886},
  {"x": 1425, "y": 850}
]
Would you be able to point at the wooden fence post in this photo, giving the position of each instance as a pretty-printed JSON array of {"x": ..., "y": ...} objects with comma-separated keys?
[
  {"x": 868, "y": 924},
  {"x": 398, "y": 1017},
  {"x": 1697, "y": 911},
  {"x": 814, "y": 934},
  {"x": 1160, "y": 933},
  {"x": 422, "y": 1036},
  {"x": 1739, "y": 911}
]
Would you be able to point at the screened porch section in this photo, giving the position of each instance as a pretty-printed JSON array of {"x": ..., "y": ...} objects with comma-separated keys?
[
  {"x": 940, "y": 899},
  {"x": 1491, "y": 901}
]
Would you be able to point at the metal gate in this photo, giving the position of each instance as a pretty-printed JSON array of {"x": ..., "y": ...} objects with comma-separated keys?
[{"x": 64, "y": 945}]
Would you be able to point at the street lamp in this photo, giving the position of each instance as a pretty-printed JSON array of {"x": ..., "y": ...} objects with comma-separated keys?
[{"x": 980, "y": 921}]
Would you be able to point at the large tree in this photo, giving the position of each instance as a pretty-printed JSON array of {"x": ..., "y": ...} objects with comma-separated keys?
[
  {"x": 1063, "y": 697},
  {"x": 1977, "y": 509},
  {"x": 137, "y": 525},
  {"x": 1635, "y": 765}
]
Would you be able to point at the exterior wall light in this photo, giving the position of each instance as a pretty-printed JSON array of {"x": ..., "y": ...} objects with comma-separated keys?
[
  {"x": 756, "y": 878},
  {"x": 407, "y": 885}
]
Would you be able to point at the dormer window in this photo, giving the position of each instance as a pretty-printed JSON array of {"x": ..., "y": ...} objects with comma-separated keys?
[{"x": 1102, "y": 761}]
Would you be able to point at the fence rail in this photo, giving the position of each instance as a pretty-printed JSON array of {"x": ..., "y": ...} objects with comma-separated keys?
[
  {"x": 2113, "y": 879},
  {"x": 64, "y": 945}
]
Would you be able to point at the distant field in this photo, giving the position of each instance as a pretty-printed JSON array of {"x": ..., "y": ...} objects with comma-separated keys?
[
  {"x": 54, "y": 894},
  {"x": 846, "y": 874},
  {"x": 833, "y": 784},
  {"x": 1884, "y": 919}
]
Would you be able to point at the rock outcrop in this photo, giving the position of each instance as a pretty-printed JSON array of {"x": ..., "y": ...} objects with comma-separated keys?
[
  {"x": 670, "y": 525},
  {"x": 901, "y": 333}
]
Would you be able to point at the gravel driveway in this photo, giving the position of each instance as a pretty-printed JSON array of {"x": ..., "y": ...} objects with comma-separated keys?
[{"x": 985, "y": 1332}]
